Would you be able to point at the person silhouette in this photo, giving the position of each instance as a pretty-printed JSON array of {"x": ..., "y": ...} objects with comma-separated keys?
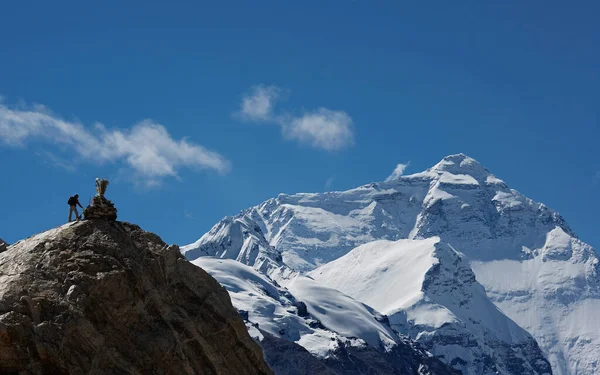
[{"x": 73, "y": 202}]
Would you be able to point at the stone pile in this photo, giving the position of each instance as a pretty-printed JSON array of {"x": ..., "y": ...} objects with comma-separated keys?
[{"x": 101, "y": 208}]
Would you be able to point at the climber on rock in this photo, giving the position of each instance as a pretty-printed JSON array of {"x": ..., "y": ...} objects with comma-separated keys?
[{"x": 73, "y": 202}]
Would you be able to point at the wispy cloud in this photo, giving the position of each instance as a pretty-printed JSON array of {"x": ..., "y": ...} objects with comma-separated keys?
[
  {"x": 322, "y": 128},
  {"x": 258, "y": 104},
  {"x": 147, "y": 148},
  {"x": 398, "y": 171}
]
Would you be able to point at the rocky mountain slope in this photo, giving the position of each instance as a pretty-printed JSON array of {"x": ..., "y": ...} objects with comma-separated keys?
[
  {"x": 554, "y": 291},
  {"x": 108, "y": 297}
]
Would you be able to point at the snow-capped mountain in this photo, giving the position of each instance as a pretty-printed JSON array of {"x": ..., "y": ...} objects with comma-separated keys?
[
  {"x": 553, "y": 292},
  {"x": 324, "y": 321},
  {"x": 241, "y": 239},
  {"x": 430, "y": 293}
]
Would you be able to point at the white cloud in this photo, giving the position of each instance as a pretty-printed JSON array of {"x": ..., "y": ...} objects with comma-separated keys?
[
  {"x": 399, "y": 171},
  {"x": 324, "y": 128},
  {"x": 258, "y": 104},
  {"x": 147, "y": 148}
]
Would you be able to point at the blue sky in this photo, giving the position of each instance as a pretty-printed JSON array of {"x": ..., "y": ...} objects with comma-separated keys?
[{"x": 239, "y": 101}]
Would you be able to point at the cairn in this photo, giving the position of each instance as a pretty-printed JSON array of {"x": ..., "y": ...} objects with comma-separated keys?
[{"x": 100, "y": 207}]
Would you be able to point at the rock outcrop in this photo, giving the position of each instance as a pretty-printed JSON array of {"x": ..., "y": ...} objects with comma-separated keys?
[
  {"x": 101, "y": 296},
  {"x": 101, "y": 208},
  {"x": 3, "y": 245}
]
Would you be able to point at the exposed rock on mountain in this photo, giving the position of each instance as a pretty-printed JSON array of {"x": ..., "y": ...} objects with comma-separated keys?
[{"x": 108, "y": 297}]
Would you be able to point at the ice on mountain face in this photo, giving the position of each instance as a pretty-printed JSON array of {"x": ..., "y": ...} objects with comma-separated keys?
[
  {"x": 556, "y": 296},
  {"x": 313, "y": 229},
  {"x": 240, "y": 239},
  {"x": 342, "y": 335},
  {"x": 266, "y": 306},
  {"x": 457, "y": 179},
  {"x": 431, "y": 294},
  {"x": 308, "y": 313},
  {"x": 458, "y": 200},
  {"x": 342, "y": 314}
]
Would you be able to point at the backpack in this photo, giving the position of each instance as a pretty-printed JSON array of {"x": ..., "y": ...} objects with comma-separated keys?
[{"x": 71, "y": 201}]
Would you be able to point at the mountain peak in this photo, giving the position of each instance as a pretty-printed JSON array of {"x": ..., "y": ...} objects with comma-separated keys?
[
  {"x": 461, "y": 164},
  {"x": 457, "y": 161},
  {"x": 455, "y": 164}
]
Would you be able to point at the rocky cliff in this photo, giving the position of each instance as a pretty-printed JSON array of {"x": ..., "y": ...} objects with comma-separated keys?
[{"x": 107, "y": 297}]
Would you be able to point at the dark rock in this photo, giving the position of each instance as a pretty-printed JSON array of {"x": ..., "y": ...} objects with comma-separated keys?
[
  {"x": 302, "y": 310},
  {"x": 383, "y": 319},
  {"x": 101, "y": 296},
  {"x": 400, "y": 360},
  {"x": 288, "y": 358},
  {"x": 3, "y": 245},
  {"x": 101, "y": 208},
  {"x": 243, "y": 314},
  {"x": 315, "y": 323}
]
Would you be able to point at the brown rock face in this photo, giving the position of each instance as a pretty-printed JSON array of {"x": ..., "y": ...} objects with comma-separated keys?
[{"x": 104, "y": 297}]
